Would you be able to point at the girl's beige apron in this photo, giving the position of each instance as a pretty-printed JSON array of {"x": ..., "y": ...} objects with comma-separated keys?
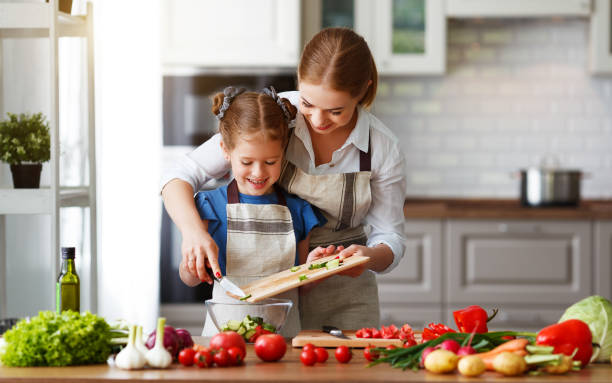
[
  {"x": 344, "y": 199},
  {"x": 260, "y": 242}
]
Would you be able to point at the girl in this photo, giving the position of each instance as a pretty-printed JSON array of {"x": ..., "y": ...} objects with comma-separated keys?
[
  {"x": 254, "y": 224},
  {"x": 342, "y": 160}
]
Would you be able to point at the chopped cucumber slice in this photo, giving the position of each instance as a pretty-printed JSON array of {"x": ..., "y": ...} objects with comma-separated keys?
[
  {"x": 249, "y": 334},
  {"x": 269, "y": 327},
  {"x": 244, "y": 298},
  {"x": 233, "y": 325},
  {"x": 332, "y": 264},
  {"x": 294, "y": 269},
  {"x": 303, "y": 277},
  {"x": 241, "y": 330}
]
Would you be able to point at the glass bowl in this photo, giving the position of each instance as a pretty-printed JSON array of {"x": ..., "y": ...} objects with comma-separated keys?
[{"x": 274, "y": 311}]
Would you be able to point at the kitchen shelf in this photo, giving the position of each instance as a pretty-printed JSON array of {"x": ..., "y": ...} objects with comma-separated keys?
[{"x": 45, "y": 21}]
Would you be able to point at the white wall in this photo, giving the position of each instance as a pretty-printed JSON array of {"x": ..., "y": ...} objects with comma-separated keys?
[{"x": 514, "y": 91}]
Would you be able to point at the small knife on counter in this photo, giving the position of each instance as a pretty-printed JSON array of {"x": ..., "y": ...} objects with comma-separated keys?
[{"x": 335, "y": 331}]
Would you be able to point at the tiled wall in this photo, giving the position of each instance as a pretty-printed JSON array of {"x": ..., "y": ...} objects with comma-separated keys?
[{"x": 515, "y": 91}]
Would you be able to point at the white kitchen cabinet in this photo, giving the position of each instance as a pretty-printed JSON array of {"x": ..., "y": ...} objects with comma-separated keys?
[
  {"x": 230, "y": 33},
  {"x": 600, "y": 47},
  {"x": 603, "y": 258},
  {"x": 43, "y": 20},
  {"x": 405, "y": 36},
  {"x": 517, "y": 8},
  {"x": 518, "y": 262},
  {"x": 416, "y": 278}
]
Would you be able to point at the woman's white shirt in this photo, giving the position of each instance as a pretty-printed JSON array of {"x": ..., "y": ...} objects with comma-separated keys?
[{"x": 388, "y": 182}]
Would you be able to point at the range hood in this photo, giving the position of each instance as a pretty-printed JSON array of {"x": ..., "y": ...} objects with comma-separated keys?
[{"x": 517, "y": 8}]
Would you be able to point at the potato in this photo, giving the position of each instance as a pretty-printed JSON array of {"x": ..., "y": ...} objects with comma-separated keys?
[
  {"x": 471, "y": 365},
  {"x": 561, "y": 368},
  {"x": 441, "y": 361},
  {"x": 509, "y": 364}
]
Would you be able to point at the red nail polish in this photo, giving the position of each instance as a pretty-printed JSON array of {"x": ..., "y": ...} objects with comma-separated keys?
[
  {"x": 218, "y": 274},
  {"x": 337, "y": 257}
]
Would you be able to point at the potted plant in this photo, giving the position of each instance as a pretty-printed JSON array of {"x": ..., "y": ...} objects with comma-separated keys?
[{"x": 25, "y": 144}]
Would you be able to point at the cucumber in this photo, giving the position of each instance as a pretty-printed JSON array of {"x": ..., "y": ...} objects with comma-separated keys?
[
  {"x": 233, "y": 325},
  {"x": 269, "y": 327},
  {"x": 241, "y": 330},
  {"x": 249, "y": 334},
  {"x": 294, "y": 269},
  {"x": 332, "y": 264}
]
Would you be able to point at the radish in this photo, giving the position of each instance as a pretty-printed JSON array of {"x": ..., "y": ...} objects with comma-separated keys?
[
  {"x": 466, "y": 350},
  {"x": 450, "y": 345}
]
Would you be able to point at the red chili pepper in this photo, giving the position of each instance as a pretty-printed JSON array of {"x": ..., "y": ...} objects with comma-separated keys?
[
  {"x": 434, "y": 330},
  {"x": 472, "y": 318},
  {"x": 568, "y": 336}
]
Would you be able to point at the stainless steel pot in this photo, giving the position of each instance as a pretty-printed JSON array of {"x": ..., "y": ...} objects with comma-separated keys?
[{"x": 550, "y": 187}]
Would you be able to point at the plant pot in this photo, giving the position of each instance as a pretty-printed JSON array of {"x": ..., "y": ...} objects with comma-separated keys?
[
  {"x": 64, "y": 6},
  {"x": 26, "y": 176}
]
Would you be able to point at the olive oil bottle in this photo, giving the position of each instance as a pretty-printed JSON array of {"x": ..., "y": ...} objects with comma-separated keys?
[{"x": 67, "y": 288}]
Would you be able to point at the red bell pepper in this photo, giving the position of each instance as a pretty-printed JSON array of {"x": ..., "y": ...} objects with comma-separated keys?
[
  {"x": 568, "y": 336},
  {"x": 472, "y": 319}
]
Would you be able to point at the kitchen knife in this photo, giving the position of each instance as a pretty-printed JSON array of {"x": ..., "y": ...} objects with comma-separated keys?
[
  {"x": 228, "y": 285},
  {"x": 335, "y": 331}
]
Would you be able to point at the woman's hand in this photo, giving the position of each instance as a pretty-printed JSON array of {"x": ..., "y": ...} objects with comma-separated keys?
[
  {"x": 350, "y": 251},
  {"x": 318, "y": 253},
  {"x": 200, "y": 251}
]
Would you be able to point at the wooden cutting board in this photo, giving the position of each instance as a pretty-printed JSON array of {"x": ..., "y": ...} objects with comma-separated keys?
[
  {"x": 286, "y": 280},
  {"x": 323, "y": 339}
]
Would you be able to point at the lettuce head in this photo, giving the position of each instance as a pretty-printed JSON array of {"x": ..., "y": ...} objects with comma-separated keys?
[{"x": 596, "y": 311}]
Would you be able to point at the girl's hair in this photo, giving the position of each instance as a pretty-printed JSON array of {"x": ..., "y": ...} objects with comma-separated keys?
[
  {"x": 250, "y": 113},
  {"x": 340, "y": 58}
]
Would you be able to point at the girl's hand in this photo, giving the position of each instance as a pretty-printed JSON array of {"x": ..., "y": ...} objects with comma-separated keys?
[
  {"x": 349, "y": 251},
  {"x": 199, "y": 251}
]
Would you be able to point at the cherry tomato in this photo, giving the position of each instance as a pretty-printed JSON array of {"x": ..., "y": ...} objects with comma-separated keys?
[
  {"x": 370, "y": 354},
  {"x": 227, "y": 339},
  {"x": 308, "y": 357},
  {"x": 222, "y": 358},
  {"x": 343, "y": 354},
  {"x": 203, "y": 358},
  {"x": 185, "y": 357},
  {"x": 321, "y": 354},
  {"x": 308, "y": 346},
  {"x": 409, "y": 343},
  {"x": 270, "y": 347},
  {"x": 236, "y": 355}
]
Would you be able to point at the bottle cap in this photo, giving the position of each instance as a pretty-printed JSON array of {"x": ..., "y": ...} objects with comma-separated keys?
[{"x": 67, "y": 252}]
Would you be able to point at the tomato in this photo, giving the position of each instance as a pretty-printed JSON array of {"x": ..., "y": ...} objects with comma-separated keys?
[
  {"x": 259, "y": 330},
  {"x": 434, "y": 330},
  {"x": 226, "y": 340},
  {"x": 370, "y": 354},
  {"x": 376, "y": 333},
  {"x": 409, "y": 343},
  {"x": 203, "y": 358},
  {"x": 390, "y": 332},
  {"x": 308, "y": 346},
  {"x": 270, "y": 347},
  {"x": 343, "y": 354},
  {"x": 308, "y": 357},
  {"x": 391, "y": 347},
  {"x": 222, "y": 358},
  {"x": 236, "y": 355},
  {"x": 185, "y": 357},
  {"x": 321, "y": 354}
]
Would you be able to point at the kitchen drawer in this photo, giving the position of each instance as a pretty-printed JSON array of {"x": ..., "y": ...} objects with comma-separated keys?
[
  {"x": 417, "y": 277},
  {"x": 415, "y": 316},
  {"x": 516, "y": 318},
  {"x": 518, "y": 261},
  {"x": 603, "y": 258}
]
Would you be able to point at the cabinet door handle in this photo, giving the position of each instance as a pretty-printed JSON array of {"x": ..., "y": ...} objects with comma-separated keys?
[{"x": 518, "y": 228}]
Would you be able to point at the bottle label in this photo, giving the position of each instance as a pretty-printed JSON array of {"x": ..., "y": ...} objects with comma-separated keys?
[{"x": 58, "y": 297}]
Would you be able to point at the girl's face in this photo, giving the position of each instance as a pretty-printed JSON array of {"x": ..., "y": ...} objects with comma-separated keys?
[
  {"x": 256, "y": 163},
  {"x": 327, "y": 110}
]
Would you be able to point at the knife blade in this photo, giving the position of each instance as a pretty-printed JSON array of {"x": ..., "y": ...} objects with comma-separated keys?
[
  {"x": 335, "y": 331},
  {"x": 227, "y": 285}
]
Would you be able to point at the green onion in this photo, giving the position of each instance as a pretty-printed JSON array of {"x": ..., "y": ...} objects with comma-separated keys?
[
  {"x": 303, "y": 277},
  {"x": 294, "y": 269},
  {"x": 244, "y": 298}
]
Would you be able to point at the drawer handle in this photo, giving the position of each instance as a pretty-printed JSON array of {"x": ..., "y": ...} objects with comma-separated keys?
[{"x": 518, "y": 229}]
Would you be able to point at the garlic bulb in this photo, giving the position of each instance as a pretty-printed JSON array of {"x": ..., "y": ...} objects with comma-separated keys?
[
  {"x": 130, "y": 358},
  {"x": 158, "y": 356},
  {"x": 139, "y": 343}
]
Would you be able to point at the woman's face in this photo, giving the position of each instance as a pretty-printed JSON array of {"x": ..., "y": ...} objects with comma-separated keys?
[
  {"x": 327, "y": 110},
  {"x": 256, "y": 163}
]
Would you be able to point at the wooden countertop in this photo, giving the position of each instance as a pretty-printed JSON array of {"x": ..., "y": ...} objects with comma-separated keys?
[
  {"x": 472, "y": 208},
  {"x": 289, "y": 369}
]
